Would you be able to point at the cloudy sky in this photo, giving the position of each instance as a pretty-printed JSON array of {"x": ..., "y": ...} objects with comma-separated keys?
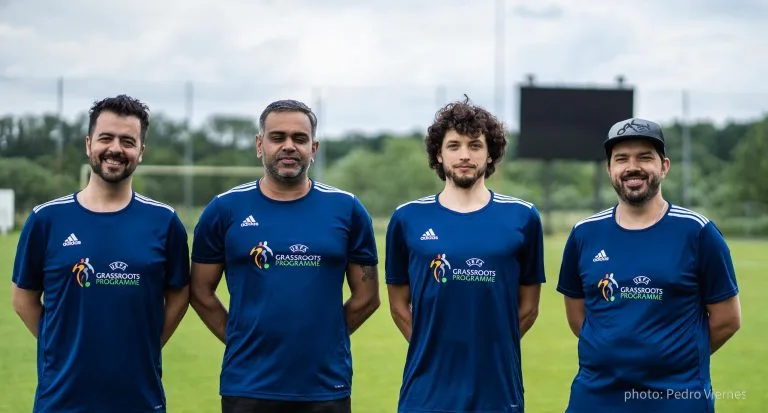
[{"x": 381, "y": 65}]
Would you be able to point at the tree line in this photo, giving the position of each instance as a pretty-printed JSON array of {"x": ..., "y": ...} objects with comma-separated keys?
[{"x": 729, "y": 170}]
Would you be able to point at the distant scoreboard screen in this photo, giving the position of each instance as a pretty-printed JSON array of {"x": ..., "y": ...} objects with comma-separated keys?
[{"x": 569, "y": 123}]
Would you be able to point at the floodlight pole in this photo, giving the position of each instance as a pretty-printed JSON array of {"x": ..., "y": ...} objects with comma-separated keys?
[
  {"x": 440, "y": 96},
  {"x": 686, "y": 152},
  {"x": 501, "y": 8},
  {"x": 189, "y": 150},
  {"x": 59, "y": 129},
  {"x": 319, "y": 163}
]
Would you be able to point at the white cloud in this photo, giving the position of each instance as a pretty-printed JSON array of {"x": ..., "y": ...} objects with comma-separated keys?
[{"x": 379, "y": 65}]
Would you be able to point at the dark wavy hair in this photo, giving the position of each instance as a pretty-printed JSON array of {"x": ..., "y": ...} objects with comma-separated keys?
[
  {"x": 121, "y": 105},
  {"x": 469, "y": 120}
]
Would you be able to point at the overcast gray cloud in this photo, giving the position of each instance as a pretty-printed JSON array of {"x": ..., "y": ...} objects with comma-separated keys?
[{"x": 384, "y": 65}]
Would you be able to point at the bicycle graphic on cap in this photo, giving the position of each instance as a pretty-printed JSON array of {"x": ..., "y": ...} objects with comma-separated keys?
[{"x": 634, "y": 126}]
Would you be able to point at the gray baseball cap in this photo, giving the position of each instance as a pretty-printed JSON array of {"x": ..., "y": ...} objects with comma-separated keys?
[{"x": 635, "y": 128}]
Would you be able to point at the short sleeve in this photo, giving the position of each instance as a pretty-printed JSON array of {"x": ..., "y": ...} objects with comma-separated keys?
[
  {"x": 209, "y": 235},
  {"x": 362, "y": 242},
  {"x": 569, "y": 283},
  {"x": 30, "y": 255},
  {"x": 177, "y": 255},
  {"x": 716, "y": 273},
  {"x": 396, "y": 260},
  {"x": 532, "y": 264}
]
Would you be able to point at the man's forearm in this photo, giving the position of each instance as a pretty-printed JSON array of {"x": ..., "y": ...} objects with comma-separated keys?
[
  {"x": 719, "y": 335},
  {"x": 357, "y": 310},
  {"x": 404, "y": 321},
  {"x": 210, "y": 309},
  {"x": 176, "y": 305},
  {"x": 30, "y": 314},
  {"x": 527, "y": 319}
]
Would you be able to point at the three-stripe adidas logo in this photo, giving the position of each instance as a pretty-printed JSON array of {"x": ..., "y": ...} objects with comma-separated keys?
[
  {"x": 71, "y": 240},
  {"x": 249, "y": 222},
  {"x": 601, "y": 256},
  {"x": 428, "y": 235}
]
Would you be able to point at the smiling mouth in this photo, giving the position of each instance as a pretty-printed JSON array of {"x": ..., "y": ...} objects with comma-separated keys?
[
  {"x": 113, "y": 162},
  {"x": 634, "y": 181}
]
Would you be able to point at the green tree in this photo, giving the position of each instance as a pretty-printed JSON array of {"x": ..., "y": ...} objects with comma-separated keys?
[
  {"x": 32, "y": 183},
  {"x": 384, "y": 180},
  {"x": 748, "y": 173}
]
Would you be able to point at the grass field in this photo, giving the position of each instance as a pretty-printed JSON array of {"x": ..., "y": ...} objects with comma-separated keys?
[{"x": 192, "y": 359}]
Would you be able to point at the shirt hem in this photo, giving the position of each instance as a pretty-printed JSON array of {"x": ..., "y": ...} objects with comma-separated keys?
[
  {"x": 453, "y": 411},
  {"x": 364, "y": 262},
  {"x": 722, "y": 297},
  {"x": 28, "y": 287},
  {"x": 288, "y": 397},
  {"x": 569, "y": 293},
  {"x": 207, "y": 260}
]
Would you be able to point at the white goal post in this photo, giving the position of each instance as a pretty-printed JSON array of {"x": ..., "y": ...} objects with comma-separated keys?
[
  {"x": 183, "y": 170},
  {"x": 7, "y": 213}
]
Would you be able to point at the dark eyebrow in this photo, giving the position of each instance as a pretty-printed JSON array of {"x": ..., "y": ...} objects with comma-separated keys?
[{"x": 112, "y": 135}]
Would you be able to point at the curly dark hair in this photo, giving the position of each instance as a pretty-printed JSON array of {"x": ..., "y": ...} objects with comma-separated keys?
[
  {"x": 122, "y": 105},
  {"x": 469, "y": 120}
]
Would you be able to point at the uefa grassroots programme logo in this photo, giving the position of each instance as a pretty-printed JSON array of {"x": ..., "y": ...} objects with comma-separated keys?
[
  {"x": 438, "y": 266},
  {"x": 259, "y": 254},
  {"x": 641, "y": 291},
  {"x": 473, "y": 272},
  {"x": 86, "y": 275},
  {"x": 83, "y": 270},
  {"x": 606, "y": 285}
]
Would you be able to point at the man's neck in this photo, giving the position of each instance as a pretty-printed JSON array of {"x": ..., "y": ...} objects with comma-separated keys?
[
  {"x": 641, "y": 216},
  {"x": 465, "y": 199},
  {"x": 280, "y": 191},
  {"x": 100, "y": 196}
]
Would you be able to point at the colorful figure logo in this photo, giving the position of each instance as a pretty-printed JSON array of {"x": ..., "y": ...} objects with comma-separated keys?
[
  {"x": 606, "y": 287},
  {"x": 438, "y": 267},
  {"x": 259, "y": 254},
  {"x": 83, "y": 270}
]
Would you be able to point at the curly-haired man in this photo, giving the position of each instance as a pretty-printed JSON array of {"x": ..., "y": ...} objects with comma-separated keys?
[{"x": 464, "y": 270}]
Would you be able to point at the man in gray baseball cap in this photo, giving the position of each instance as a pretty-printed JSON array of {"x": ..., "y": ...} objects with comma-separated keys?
[
  {"x": 634, "y": 129},
  {"x": 649, "y": 289}
]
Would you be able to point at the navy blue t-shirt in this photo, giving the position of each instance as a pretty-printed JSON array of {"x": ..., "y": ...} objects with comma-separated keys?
[
  {"x": 285, "y": 262},
  {"x": 464, "y": 271},
  {"x": 644, "y": 345},
  {"x": 103, "y": 277}
]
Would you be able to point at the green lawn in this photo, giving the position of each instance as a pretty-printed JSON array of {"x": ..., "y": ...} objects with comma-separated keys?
[{"x": 192, "y": 359}]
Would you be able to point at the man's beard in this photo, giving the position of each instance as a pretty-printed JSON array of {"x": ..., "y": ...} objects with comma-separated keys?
[
  {"x": 293, "y": 177},
  {"x": 464, "y": 181},
  {"x": 98, "y": 167},
  {"x": 637, "y": 197}
]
